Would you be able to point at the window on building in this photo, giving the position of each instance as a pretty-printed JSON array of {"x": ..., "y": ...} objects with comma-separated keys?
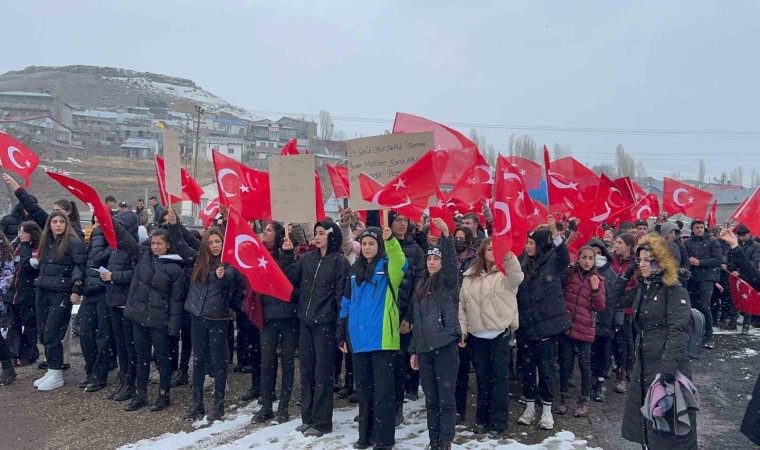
[{"x": 230, "y": 151}]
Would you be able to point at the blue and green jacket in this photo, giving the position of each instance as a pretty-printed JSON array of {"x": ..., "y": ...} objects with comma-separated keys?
[{"x": 371, "y": 309}]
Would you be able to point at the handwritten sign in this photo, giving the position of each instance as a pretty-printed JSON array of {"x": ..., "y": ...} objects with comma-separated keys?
[
  {"x": 172, "y": 163},
  {"x": 291, "y": 188},
  {"x": 383, "y": 158}
]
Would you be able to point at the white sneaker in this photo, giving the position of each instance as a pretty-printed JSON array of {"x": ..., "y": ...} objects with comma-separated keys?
[
  {"x": 54, "y": 381},
  {"x": 527, "y": 417},
  {"x": 38, "y": 381},
  {"x": 547, "y": 422}
]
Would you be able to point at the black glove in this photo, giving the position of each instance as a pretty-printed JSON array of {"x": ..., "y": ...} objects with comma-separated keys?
[
  {"x": 631, "y": 269},
  {"x": 669, "y": 378},
  {"x": 341, "y": 331}
]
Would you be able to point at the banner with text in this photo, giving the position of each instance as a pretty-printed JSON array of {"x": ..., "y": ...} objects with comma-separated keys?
[
  {"x": 292, "y": 188},
  {"x": 172, "y": 163}
]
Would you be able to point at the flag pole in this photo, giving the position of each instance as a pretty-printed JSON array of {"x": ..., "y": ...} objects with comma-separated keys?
[{"x": 385, "y": 218}]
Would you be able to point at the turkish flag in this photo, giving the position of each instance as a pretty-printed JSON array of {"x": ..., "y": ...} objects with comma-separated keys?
[
  {"x": 746, "y": 299},
  {"x": 748, "y": 213},
  {"x": 209, "y": 213},
  {"x": 14, "y": 156},
  {"x": 242, "y": 188},
  {"x": 475, "y": 185},
  {"x": 569, "y": 183},
  {"x": 681, "y": 198},
  {"x": 191, "y": 190},
  {"x": 383, "y": 195},
  {"x": 648, "y": 206},
  {"x": 418, "y": 181},
  {"x": 528, "y": 169},
  {"x": 291, "y": 148},
  {"x": 339, "y": 180},
  {"x": 538, "y": 218},
  {"x": 463, "y": 153},
  {"x": 244, "y": 251},
  {"x": 638, "y": 191},
  {"x": 436, "y": 212},
  {"x": 712, "y": 218},
  {"x": 610, "y": 200},
  {"x": 510, "y": 228},
  {"x": 89, "y": 197}
]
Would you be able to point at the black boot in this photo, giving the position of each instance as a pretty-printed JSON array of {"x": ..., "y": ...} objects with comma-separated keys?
[
  {"x": 8, "y": 374},
  {"x": 265, "y": 412},
  {"x": 139, "y": 399},
  {"x": 251, "y": 394},
  {"x": 162, "y": 402},
  {"x": 118, "y": 385},
  {"x": 179, "y": 378},
  {"x": 196, "y": 409},
  {"x": 85, "y": 381},
  {"x": 216, "y": 412},
  {"x": 598, "y": 391},
  {"x": 283, "y": 415},
  {"x": 95, "y": 385},
  {"x": 127, "y": 390},
  {"x": 348, "y": 386}
]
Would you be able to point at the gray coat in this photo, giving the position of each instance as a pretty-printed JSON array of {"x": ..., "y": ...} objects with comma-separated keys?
[{"x": 661, "y": 321}]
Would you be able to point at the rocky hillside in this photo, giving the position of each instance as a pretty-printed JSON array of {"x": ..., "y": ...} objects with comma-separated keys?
[{"x": 110, "y": 88}]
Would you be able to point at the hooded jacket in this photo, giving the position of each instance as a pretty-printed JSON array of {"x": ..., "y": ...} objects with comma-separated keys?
[
  {"x": 121, "y": 263},
  {"x": 321, "y": 280},
  {"x": 274, "y": 308},
  {"x": 97, "y": 257},
  {"x": 26, "y": 271},
  {"x": 661, "y": 324},
  {"x": 63, "y": 273},
  {"x": 370, "y": 307},
  {"x": 707, "y": 250},
  {"x": 415, "y": 268},
  {"x": 488, "y": 301},
  {"x": 213, "y": 298},
  {"x": 27, "y": 208},
  {"x": 582, "y": 302},
  {"x": 605, "y": 320},
  {"x": 540, "y": 299}
]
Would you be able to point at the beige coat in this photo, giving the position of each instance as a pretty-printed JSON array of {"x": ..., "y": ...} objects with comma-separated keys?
[{"x": 489, "y": 302}]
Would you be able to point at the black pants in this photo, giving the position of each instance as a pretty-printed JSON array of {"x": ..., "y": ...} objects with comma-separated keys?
[
  {"x": 438, "y": 376},
  {"x": 463, "y": 380},
  {"x": 375, "y": 388},
  {"x": 22, "y": 334},
  {"x": 349, "y": 373},
  {"x": 282, "y": 333},
  {"x": 316, "y": 351},
  {"x": 159, "y": 340},
  {"x": 181, "y": 361},
  {"x": 700, "y": 293},
  {"x": 104, "y": 340},
  {"x": 88, "y": 330},
  {"x": 254, "y": 343},
  {"x": 491, "y": 360},
  {"x": 407, "y": 380},
  {"x": 210, "y": 354},
  {"x": 623, "y": 346},
  {"x": 5, "y": 354},
  {"x": 541, "y": 355},
  {"x": 568, "y": 348},
  {"x": 53, "y": 317},
  {"x": 601, "y": 351},
  {"x": 125, "y": 342},
  {"x": 244, "y": 347}
]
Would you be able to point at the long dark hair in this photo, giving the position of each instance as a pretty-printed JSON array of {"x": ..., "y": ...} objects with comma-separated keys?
[
  {"x": 71, "y": 209},
  {"x": 279, "y": 237},
  {"x": 62, "y": 242},
  {"x": 480, "y": 265},
  {"x": 6, "y": 251},
  {"x": 204, "y": 259},
  {"x": 35, "y": 233},
  {"x": 363, "y": 268},
  {"x": 428, "y": 284}
]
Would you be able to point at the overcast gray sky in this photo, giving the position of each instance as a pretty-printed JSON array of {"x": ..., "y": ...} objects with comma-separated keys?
[{"x": 663, "y": 65}]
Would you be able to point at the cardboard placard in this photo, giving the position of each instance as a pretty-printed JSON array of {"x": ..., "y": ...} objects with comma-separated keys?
[
  {"x": 172, "y": 163},
  {"x": 292, "y": 189},
  {"x": 383, "y": 158}
]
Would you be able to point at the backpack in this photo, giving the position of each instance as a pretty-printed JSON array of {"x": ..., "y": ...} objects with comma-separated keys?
[{"x": 696, "y": 335}]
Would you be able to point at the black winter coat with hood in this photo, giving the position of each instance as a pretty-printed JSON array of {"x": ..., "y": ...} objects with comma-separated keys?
[
  {"x": 275, "y": 308},
  {"x": 213, "y": 298},
  {"x": 605, "y": 326},
  {"x": 157, "y": 293},
  {"x": 121, "y": 263},
  {"x": 27, "y": 208},
  {"x": 707, "y": 250},
  {"x": 321, "y": 279},
  {"x": 27, "y": 270},
  {"x": 64, "y": 273},
  {"x": 97, "y": 256},
  {"x": 415, "y": 258}
]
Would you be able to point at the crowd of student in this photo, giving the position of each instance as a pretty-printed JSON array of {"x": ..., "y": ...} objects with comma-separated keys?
[{"x": 391, "y": 307}]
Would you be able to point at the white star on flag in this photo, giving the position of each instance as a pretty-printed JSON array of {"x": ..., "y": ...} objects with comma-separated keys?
[
  {"x": 244, "y": 188},
  {"x": 399, "y": 184},
  {"x": 691, "y": 199},
  {"x": 523, "y": 172},
  {"x": 745, "y": 296},
  {"x": 263, "y": 262}
]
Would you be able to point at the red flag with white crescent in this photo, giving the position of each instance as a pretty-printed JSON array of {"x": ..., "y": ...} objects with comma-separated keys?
[
  {"x": 209, "y": 213},
  {"x": 746, "y": 299},
  {"x": 510, "y": 222},
  {"x": 17, "y": 158},
  {"x": 242, "y": 188},
  {"x": 682, "y": 198}
]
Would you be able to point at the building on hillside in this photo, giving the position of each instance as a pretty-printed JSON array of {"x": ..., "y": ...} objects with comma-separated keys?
[
  {"x": 19, "y": 104},
  {"x": 42, "y": 129},
  {"x": 215, "y": 126},
  {"x": 233, "y": 147},
  {"x": 305, "y": 129},
  {"x": 267, "y": 133},
  {"x": 337, "y": 149},
  {"x": 136, "y": 148},
  {"x": 95, "y": 129}
]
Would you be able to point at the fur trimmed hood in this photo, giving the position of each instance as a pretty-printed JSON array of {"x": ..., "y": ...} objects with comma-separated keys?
[{"x": 663, "y": 255}]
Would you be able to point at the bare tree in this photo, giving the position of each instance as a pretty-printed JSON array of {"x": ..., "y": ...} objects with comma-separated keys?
[
  {"x": 605, "y": 168},
  {"x": 491, "y": 155},
  {"x": 755, "y": 178},
  {"x": 626, "y": 167},
  {"x": 339, "y": 135},
  {"x": 480, "y": 141},
  {"x": 641, "y": 170},
  {"x": 676, "y": 176},
  {"x": 524, "y": 147},
  {"x": 560, "y": 151},
  {"x": 737, "y": 176},
  {"x": 701, "y": 172},
  {"x": 326, "y": 125}
]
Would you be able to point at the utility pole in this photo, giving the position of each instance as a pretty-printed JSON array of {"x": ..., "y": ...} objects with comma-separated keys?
[{"x": 200, "y": 112}]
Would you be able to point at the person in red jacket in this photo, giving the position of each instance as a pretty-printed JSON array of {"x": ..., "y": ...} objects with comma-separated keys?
[{"x": 584, "y": 296}]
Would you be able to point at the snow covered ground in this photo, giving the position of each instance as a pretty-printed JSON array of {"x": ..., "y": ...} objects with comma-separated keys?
[{"x": 237, "y": 433}]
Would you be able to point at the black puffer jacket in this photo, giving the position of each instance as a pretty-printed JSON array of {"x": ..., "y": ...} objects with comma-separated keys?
[
  {"x": 321, "y": 280},
  {"x": 27, "y": 270},
  {"x": 415, "y": 258},
  {"x": 121, "y": 263},
  {"x": 275, "y": 308},
  {"x": 707, "y": 250},
  {"x": 436, "y": 315},
  {"x": 751, "y": 249},
  {"x": 27, "y": 208},
  {"x": 64, "y": 273},
  {"x": 540, "y": 300},
  {"x": 159, "y": 287},
  {"x": 97, "y": 257},
  {"x": 213, "y": 299},
  {"x": 605, "y": 319}
]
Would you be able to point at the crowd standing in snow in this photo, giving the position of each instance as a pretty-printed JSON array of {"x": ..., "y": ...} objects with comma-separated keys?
[{"x": 395, "y": 305}]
